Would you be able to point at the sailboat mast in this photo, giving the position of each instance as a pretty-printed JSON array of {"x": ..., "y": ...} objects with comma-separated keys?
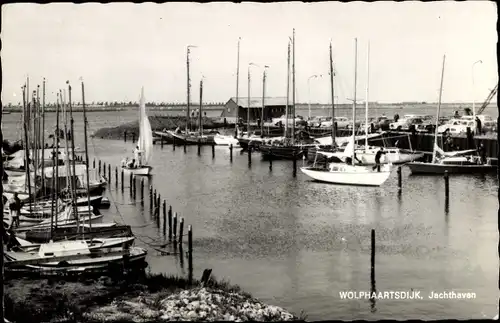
[
  {"x": 67, "y": 162},
  {"x": 188, "y": 120},
  {"x": 43, "y": 137},
  {"x": 438, "y": 111},
  {"x": 237, "y": 91},
  {"x": 263, "y": 104},
  {"x": 293, "y": 88},
  {"x": 58, "y": 108},
  {"x": 334, "y": 130},
  {"x": 35, "y": 136},
  {"x": 366, "y": 101},
  {"x": 200, "y": 130},
  {"x": 248, "y": 108},
  {"x": 72, "y": 122},
  {"x": 26, "y": 146},
  {"x": 86, "y": 153},
  {"x": 354, "y": 102},
  {"x": 287, "y": 90}
]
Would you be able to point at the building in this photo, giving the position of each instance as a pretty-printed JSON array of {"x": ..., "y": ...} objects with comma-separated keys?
[{"x": 274, "y": 108}]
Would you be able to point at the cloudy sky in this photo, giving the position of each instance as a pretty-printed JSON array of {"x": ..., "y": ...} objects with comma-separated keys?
[{"x": 117, "y": 48}]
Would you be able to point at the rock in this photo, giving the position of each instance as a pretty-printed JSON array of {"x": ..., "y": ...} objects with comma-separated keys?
[{"x": 191, "y": 315}]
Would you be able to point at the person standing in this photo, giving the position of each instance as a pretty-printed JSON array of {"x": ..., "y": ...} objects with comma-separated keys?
[
  {"x": 482, "y": 153},
  {"x": 15, "y": 206},
  {"x": 138, "y": 156},
  {"x": 379, "y": 154},
  {"x": 478, "y": 126}
]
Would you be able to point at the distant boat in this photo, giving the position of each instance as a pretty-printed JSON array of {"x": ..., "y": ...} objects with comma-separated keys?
[
  {"x": 222, "y": 140},
  {"x": 145, "y": 142}
]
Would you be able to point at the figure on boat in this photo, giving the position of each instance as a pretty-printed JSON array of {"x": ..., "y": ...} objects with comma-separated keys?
[{"x": 138, "y": 155}]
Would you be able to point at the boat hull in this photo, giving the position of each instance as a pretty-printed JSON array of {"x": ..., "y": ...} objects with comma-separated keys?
[
  {"x": 71, "y": 233},
  {"x": 277, "y": 152},
  {"x": 359, "y": 178},
  {"x": 140, "y": 171},
  {"x": 440, "y": 169},
  {"x": 226, "y": 141}
]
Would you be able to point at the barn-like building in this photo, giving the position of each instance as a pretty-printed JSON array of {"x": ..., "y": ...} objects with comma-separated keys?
[{"x": 275, "y": 107}]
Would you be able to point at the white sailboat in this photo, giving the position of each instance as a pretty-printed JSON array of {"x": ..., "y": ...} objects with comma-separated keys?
[
  {"x": 145, "y": 142},
  {"x": 350, "y": 174}
]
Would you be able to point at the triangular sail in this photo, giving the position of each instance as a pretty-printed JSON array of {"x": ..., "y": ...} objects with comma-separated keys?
[{"x": 145, "y": 142}]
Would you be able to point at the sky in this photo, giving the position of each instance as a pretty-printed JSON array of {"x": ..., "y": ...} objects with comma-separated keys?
[{"x": 117, "y": 48}]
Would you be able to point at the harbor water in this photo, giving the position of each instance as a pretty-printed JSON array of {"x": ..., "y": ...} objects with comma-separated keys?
[{"x": 297, "y": 244}]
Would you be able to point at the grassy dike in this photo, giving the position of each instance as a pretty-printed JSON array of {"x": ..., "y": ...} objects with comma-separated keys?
[
  {"x": 138, "y": 298},
  {"x": 158, "y": 123}
]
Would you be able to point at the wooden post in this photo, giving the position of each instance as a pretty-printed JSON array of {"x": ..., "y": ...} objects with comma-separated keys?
[
  {"x": 153, "y": 209},
  {"x": 99, "y": 167},
  {"x": 190, "y": 254},
  {"x": 294, "y": 165},
  {"x": 174, "y": 231},
  {"x": 184, "y": 145},
  {"x": 249, "y": 156},
  {"x": 181, "y": 233},
  {"x": 161, "y": 139},
  {"x": 170, "y": 222},
  {"x": 213, "y": 150},
  {"x": 135, "y": 187},
  {"x": 270, "y": 159},
  {"x": 125, "y": 136},
  {"x": 158, "y": 205},
  {"x": 173, "y": 145},
  {"x": 104, "y": 170},
  {"x": 231, "y": 153},
  {"x": 123, "y": 180},
  {"x": 150, "y": 198},
  {"x": 164, "y": 218},
  {"x": 142, "y": 191},
  {"x": 199, "y": 147},
  {"x": 372, "y": 262},
  {"x": 133, "y": 137},
  {"x": 109, "y": 173},
  {"x": 93, "y": 163},
  {"x": 116, "y": 177},
  {"x": 130, "y": 184},
  {"x": 446, "y": 186},
  {"x": 399, "y": 178}
]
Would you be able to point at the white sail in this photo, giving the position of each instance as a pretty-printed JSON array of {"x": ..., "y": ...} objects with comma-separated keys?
[{"x": 145, "y": 142}]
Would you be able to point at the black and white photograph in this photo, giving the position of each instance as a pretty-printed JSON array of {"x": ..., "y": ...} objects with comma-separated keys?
[{"x": 251, "y": 161}]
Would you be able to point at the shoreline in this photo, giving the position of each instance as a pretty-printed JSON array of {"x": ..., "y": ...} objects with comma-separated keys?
[{"x": 149, "y": 297}]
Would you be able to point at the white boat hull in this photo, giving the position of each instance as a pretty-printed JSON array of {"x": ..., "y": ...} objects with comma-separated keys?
[
  {"x": 226, "y": 141},
  {"x": 140, "y": 171},
  {"x": 350, "y": 175},
  {"x": 392, "y": 156}
]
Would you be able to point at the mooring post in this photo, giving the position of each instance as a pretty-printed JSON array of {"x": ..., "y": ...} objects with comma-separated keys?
[
  {"x": 99, "y": 167},
  {"x": 109, "y": 173},
  {"x": 173, "y": 145},
  {"x": 104, "y": 170},
  {"x": 123, "y": 180},
  {"x": 399, "y": 178},
  {"x": 249, "y": 156},
  {"x": 150, "y": 198},
  {"x": 170, "y": 222},
  {"x": 372, "y": 262},
  {"x": 270, "y": 159},
  {"x": 231, "y": 153},
  {"x": 133, "y": 137},
  {"x": 190, "y": 254},
  {"x": 125, "y": 136},
  {"x": 131, "y": 184},
  {"x": 181, "y": 233},
  {"x": 158, "y": 205},
  {"x": 93, "y": 163},
  {"x": 199, "y": 147},
  {"x": 184, "y": 145},
  {"x": 153, "y": 209},
  {"x": 446, "y": 186},
  {"x": 294, "y": 165},
  {"x": 174, "y": 231},
  {"x": 116, "y": 177},
  {"x": 135, "y": 187},
  {"x": 161, "y": 140},
  {"x": 164, "y": 207},
  {"x": 142, "y": 191},
  {"x": 213, "y": 150}
]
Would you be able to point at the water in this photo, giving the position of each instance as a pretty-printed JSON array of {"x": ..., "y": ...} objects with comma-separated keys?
[{"x": 295, "y": 243}]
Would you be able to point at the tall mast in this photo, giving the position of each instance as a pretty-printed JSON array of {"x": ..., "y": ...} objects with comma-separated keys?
[
  {"x": 72, "y": 122},
  {"x": 263, "y": 104},
  {"x": 86, "y": 152},
  {"x": 26, "y": 147},
  {"x": 293, "y": 88},
  {"x": 438, "y": 111},
  {"x": 35, "y": 136},
  {"x": 334, "y": 130},
  {"x": 200, "y": 130},
  {"x": 287, "y": 91},
  {"x": 188, "y": 121},
  {"x": 248, "y": 108},
  {"x": 58, "y": 108},
  {"x": 43, "y": 137},
  {"x": 237, "y": 90},
  {"x": 354, "y": 102},
  {"x": 67, "y": 162},
  {"x": 366, "y": 101}
]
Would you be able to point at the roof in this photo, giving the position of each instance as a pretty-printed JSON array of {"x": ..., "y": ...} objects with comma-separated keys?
[{"x": 256, "y": 102}]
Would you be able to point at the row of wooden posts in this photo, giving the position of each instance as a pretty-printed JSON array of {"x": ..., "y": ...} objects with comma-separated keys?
[{"x": 156, "y": 206}]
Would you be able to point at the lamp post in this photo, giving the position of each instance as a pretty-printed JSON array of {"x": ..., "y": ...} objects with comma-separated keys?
[
  {"x": 309, "y": 91},
  {"x": 474, "y": 94}
]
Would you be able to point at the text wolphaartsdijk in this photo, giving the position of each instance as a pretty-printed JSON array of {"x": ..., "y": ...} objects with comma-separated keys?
[{"x": 405, "y": 295}]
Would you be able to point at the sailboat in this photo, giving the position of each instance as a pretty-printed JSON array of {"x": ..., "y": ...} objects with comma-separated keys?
[
  {"x": 456, "y": 162},
  {"x": 145, "y": 142},
  {"x": 345, "y": 173}
]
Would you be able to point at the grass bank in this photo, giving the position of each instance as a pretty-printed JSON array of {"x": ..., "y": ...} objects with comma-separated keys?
[
  {"x": 143, "y": 298},
  {"x": 158, "y": 123}
]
